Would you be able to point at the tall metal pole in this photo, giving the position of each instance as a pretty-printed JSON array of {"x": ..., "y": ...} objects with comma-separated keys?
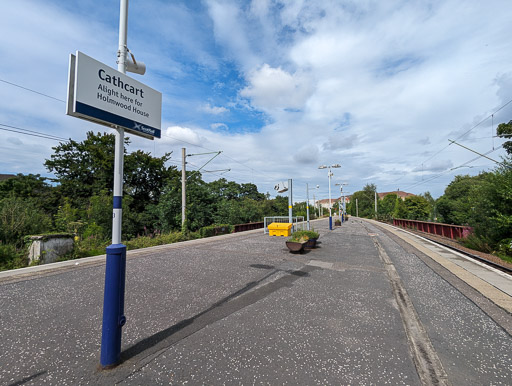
[
  {"x": 307, "y": 204},
  {"x": 290, "y": 202},
  {"x": 330, "y": 213},
  {"x": 314, "y": 206},
  {"x": 115, "y": 269},
  {"x": 357, "y": 209},
  {"x": 375, "y": 204},
  {"x": 183, "y": 189}
]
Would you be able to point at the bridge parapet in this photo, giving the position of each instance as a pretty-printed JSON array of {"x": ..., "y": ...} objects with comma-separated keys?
[{"x": 446, "y": 230}]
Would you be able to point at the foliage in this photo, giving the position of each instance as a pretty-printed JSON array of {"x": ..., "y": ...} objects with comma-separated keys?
[
  {"x": 365, "y": 202},
  {"x": 84, "y": 168},
  {"x": 311, "y": 234},
  {"x": 300, "y": 209},
  {"x": 11, "y": 258},
  {"x": 214, "y": 230},
  {"x": 66, "y": 215},
  {"x": 457, "y": 205},
  {"x": 20, "y": 217},
  {"x": 504, "y": 130},
  {"x": 417, "y": 208},
  {"x": 485, "y": 203},
  {"x": 303, "y": 236},
  {"x": 147, "y": 241}
]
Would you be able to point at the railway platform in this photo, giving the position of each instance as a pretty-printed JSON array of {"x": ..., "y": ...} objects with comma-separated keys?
[{"x": 371, "y": 304}]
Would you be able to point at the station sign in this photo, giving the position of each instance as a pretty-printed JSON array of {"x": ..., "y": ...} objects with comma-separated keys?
[{"x": 101, "y": 94}]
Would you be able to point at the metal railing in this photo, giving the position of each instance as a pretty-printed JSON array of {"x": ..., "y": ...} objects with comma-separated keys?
[
  {"x": 298, "y": 223},
  {"x": 247, "y": 227},
  {"x": 446, "y": 230}
]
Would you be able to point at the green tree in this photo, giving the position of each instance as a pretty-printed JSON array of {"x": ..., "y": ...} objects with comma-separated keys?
[
  {"x": 504, "y": 130},
  {"x": 365, "y": 201},
  {"x": 457, "y": 204},
  {"x": 20, "y": 217},
  {"x": 432, "y": 205},
  {"x": 144, "y": 178},
  {"x": 84, "y": 168},
  {"x": 31, "y": 186},
  {"x": 386, "y": 206},
  {"x": 400, "y": 210},
  {"x": 417, "y": 208},
  {"x": 492, "y": 213}
]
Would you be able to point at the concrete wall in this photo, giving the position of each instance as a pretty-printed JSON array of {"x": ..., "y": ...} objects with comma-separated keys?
[{"x": 48, "y": 248}]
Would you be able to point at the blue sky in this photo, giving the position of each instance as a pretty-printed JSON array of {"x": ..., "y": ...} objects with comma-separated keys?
[{"x": 280, "y": 87}]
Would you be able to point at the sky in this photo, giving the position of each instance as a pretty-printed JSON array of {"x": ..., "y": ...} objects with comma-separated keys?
[{"x": 280, "y": 87}]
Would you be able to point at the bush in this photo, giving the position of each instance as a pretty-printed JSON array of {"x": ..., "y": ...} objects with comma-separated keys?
[
  {"x": 310, "y": 234},
  {"x": 214, "y": 230},
  {"x": 11, "y": 258},
  {"x": 147, "y": 241},
  {"x": 19, "y": 218},
  {"x": 90, "y": 246},
  {"x": 477, "y": 243},
  {"x": 303, "y": 236}
]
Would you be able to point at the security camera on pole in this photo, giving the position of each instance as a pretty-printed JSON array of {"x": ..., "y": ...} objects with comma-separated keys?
[
  {"x": 281, "y": 188},
  {"x": 330, "y": 174}
]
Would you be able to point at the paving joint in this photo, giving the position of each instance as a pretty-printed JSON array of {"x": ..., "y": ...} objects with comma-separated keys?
[{"x": 427, "y": 362}]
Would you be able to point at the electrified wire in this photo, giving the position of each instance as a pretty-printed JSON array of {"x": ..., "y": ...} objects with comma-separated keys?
[
  {"x": 449, "y": 170},
  {"x": 32, "y": 133},
  {"x": 460, "y": 136},
  {"x": 34, "y": 91}
]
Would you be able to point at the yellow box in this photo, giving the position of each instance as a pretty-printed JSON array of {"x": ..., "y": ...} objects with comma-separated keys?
[{"x": 280, "y": 229}]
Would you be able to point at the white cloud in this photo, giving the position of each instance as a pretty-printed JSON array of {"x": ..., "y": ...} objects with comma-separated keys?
[
  {"x": 178, "y": 134},
  {"x": 273, "y": 89},
  {"x": 215, "y": 110},
  {"x": 219, "y": 126}
]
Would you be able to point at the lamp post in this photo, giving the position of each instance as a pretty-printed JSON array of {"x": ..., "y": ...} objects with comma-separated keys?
[
  {"x": 341, "y": 211},
  {"x": 330, "y": 174},
  {"x": 307, "y": 203}
]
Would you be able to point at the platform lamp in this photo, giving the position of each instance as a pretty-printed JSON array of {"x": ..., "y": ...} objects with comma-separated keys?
[
  {"x": 330, "y": 174},
  {"x": 307, "y": 203},
  {"x": 341, "y": 211}
]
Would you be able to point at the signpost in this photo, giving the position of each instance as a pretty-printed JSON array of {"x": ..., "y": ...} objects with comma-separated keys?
[{"x": 100, "y": 94}]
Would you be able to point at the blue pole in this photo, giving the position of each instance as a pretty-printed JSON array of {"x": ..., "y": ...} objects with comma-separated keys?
[
  {"x": 113, "y": 305},
  {"x": 330, "y": 223}
]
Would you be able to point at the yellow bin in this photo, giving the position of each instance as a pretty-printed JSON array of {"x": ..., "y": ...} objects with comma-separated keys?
[{"x": 280, "y": 229}]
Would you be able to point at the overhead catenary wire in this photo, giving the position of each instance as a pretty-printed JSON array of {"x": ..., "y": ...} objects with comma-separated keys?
[
  {"x": 471, "y": 129},
  {"x": 457, "y": 138},
  {"x": 33, "y": 133},
  {"x": 431, "y": 178},
  {"x": 34, "y": 91}
]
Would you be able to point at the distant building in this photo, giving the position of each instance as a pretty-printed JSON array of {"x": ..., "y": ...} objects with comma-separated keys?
[
  {"x": 399, "y": 193},
  {"x": 4, "y": 177},
  {"x": 325, "y": 202}
]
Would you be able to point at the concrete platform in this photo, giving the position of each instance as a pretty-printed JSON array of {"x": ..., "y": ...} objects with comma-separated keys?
[{"x": 365, "y": 307}]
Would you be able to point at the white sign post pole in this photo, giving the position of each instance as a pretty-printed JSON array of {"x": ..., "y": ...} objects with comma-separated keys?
[{"x": 115, "y": 271}]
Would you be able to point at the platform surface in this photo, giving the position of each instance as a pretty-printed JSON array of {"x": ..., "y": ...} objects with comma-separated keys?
[{"x": 370, "y": 305}]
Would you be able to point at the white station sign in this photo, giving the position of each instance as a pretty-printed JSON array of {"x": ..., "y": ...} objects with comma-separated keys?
[{"x": 98, "y": 93}]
